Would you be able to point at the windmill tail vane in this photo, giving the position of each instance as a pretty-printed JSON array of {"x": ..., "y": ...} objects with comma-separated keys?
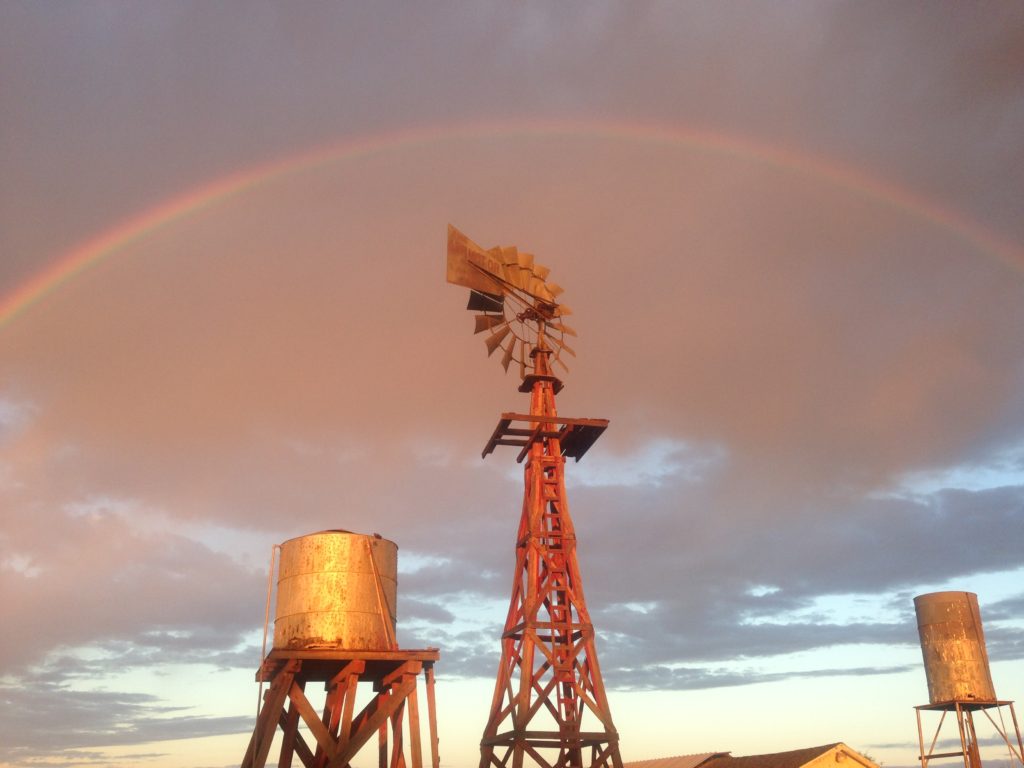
[{"x": 515, "y": 303}]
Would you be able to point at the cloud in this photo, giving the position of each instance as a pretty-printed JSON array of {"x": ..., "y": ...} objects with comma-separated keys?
[
  {"x": 420, "y": 610},
  {"x": 95, "y": 719},
  {"x": 660, "y": 678},
  {"x": 100, "y": 578},
  {"x": 814, "y": 388},
  {"x": 14, "y": 416},
  {"x": 649, "y": 465},
  {"x": 1006, "y": 468}
]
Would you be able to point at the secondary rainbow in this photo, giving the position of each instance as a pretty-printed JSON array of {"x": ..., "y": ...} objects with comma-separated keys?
[{"x": 80, "y": 258}]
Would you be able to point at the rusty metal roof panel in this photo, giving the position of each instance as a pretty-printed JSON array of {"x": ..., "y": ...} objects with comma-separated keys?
[
  {"x": 794, "y": 758},
  {"x": 679, "y": 761}
]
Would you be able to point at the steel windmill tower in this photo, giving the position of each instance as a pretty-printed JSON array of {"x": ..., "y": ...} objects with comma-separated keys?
[{"x": 549, "y": 705}]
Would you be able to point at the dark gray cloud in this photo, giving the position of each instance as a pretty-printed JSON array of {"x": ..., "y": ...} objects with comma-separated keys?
[
  {"x": 94, "y": 719},
  {"x": 660, "y": 678},
  {"x": 102, "y": 579},
  {"x": 93, "y": 93}
]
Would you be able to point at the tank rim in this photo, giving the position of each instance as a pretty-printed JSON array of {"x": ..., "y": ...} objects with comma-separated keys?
[
  {"x": 945, "y": 592},
  {"x": 328, "y": 531}
]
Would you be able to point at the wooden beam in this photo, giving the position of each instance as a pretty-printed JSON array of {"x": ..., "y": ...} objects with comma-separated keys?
[
  {"x": 409, "y": 668},
  {"x": 414, "y": 729},
  {"x": 290, "y": 728},
  {"x": 312, "y": 720},
  {"x": 397, "y": 742},
  {"x": 421, "y": 654},
  {"x": 346, "y": 718},
  {"x": 435, "y": 756},
  {"x": 304, "y": 752},
  {"x": 373, "y": 723},
  {"x": 266, "y": 723}
]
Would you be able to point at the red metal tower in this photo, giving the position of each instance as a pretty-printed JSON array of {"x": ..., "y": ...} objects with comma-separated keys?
[{"x": 549, "y": 705}]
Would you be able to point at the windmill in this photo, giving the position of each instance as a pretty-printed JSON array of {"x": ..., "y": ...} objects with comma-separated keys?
[
  {"x": 549, "y": 704},
  {"x": 515, "y": 303}
]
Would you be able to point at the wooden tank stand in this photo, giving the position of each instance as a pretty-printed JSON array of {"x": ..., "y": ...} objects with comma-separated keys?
[{"x": 340, "y": 732}]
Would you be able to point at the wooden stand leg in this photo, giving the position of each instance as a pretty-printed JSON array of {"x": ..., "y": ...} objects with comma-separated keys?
[
  {"x": 266, "y": 723},
  {"x": 435, "y": 760}
]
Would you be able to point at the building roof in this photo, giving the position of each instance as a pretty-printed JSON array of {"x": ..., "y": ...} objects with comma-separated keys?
[
  {"x": 679, "y": 761},
  {"x": 795, "y": 758}
]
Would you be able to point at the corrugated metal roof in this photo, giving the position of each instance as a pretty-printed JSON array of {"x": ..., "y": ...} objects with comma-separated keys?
[
  {"x": 795, "y": 758},
  {"x": 679, "y": 761}
]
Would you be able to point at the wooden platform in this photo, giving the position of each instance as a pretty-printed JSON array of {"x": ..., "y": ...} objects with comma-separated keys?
[
  {"x": 575, "y": 436},
  {"x": 322, "y": 665}
]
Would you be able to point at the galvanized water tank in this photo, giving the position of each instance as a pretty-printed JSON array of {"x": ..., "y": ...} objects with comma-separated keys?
[
  {"x": 336, "y": 590},
  {"x": 953, "y": 646}
]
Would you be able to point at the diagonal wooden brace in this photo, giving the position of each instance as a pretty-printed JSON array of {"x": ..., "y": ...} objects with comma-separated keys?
[{"x": 387, "y": 704}]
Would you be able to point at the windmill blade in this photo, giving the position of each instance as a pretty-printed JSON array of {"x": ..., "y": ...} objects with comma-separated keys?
[
  {"x": 563, "y": 347},
  {"x": 556, "y": 289},
  {"x": 519, "y": 277},
  {"x": 509, "y": 256},
  {"x": 494, "y": 340},
  {"x": 522, "y": 360},
  {"x": 541, "y": 271},
  {"x": 535, "y": 287},
  {"x": 486, "y": 322},
  {"x": 544, "y": 294},
  {"x": 514, "y": 272},
  {"x": 564, "y": 329},
  {"x": 559, "y": 361},
  {"x": 525, "y": 278},
  {"x": 486, "y": 302},
  {"x": 561, "y": 311},
  {"x": 507, "y": 357},
  {"x": 471, "y": 266}
]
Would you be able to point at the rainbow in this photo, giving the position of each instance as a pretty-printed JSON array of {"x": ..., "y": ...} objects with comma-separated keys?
[{"x": 83, "y": 256}]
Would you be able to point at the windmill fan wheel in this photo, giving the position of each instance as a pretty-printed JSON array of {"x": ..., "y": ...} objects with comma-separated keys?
[
  {"x": 515, "y": 327},
  {"x": 515, "y": 305}
]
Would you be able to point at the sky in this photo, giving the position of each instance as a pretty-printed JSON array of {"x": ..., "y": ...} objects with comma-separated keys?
[{"x": 791, "y": 235}]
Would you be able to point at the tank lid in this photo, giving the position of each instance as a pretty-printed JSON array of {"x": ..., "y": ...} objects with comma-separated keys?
[
  {"x": 952, "y": 594},
  {"x": 340, "y": 531}
]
